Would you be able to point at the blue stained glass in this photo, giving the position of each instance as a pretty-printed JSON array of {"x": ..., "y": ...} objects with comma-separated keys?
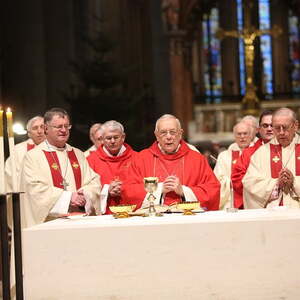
[
  {"x": 266, "y": 46},
  {"x": 241, "y": 48},
  {"x": 212, "y": 57},
  {"x": 294, "y": 52}
]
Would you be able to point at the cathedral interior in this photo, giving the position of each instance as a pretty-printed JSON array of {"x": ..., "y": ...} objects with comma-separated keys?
[{"x": 209, "y": 62}]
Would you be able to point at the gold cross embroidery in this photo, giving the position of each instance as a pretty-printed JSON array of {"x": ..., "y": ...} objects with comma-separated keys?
[
  {"x": 276, "y": 159},
  {"x": 234, "y": 161},
  {"x": 75, "y": 165},
  {"x": 298, "y": 157},
  {"x": 54, "y": 166}
]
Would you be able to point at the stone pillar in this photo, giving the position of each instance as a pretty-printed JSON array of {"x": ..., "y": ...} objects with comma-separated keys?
[
  {"x": 229, "y": 49},
  {"x": 281, "y": 65}
]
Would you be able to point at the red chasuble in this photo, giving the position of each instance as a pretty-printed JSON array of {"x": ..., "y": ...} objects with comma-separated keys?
[
  {"x": 189, "y": 166},
  {"x": 56, "y": 170},
  {"x": 110, "y": 168},
  {"x": 238, "y": 172}
]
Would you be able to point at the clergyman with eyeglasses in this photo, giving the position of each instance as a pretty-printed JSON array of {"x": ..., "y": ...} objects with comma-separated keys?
[
  {"x": 183, "y": 174},
  {"x": 111, "y": 161},
  {"x": 273, "y": 175},
  {"x": 56, "y": 177},
  {"x": 265, "y": 133}
]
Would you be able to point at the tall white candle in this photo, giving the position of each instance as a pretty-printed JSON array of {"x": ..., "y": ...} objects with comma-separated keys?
[
  {"x": 11, "y": 144},
  {"x": 2, "y": 174}
]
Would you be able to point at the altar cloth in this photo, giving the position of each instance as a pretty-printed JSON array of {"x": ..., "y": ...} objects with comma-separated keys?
[{"x": 250, "y": 254}]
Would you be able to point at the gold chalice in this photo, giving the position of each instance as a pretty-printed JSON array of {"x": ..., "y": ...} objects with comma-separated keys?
[
  {"x": 150, "y": 184},
  {"x": 122, "y": 211},
  {"x": 188, "y": 207}
]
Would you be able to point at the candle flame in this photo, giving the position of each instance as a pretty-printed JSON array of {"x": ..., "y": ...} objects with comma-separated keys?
[{"x": 8, "y": 109}]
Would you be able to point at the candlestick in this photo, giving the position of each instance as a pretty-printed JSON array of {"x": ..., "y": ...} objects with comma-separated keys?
[
  {"x": 11, "y": 144},
  {"x": 2, "y": 174}
]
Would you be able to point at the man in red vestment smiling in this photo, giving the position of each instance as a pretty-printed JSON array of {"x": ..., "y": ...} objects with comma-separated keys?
[
  {"x": 111, "y": 161},
  {"x": 184, "y": 174}
]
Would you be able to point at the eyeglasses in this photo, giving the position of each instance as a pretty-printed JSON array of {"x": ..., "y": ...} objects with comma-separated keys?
[
  {"x": 60, "y": 127},
  {"x": 265, "y": 125},
  {"x": 165, "y": 132},
  {"x": 284, "y": 128},
  {"x": 115, "y": 137}
]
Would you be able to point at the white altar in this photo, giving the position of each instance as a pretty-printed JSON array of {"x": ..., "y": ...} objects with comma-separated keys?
[{"x": 251, "y": 254}]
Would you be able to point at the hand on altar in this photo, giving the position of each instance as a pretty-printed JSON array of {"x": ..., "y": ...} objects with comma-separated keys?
[
  {"x": 114, "y": 189},
  {"x": 172, "y": 184},
  {"x": 77, "y": 199},
  {"x": 285, "y": 179}
]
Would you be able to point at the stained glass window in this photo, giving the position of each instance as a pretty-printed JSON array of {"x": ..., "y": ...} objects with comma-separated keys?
[
  {"x": 241, "y": 48},
  {"x": 212, "y": 58},
  {"x": 266, "y": 46},
  {"x": 294, "y": 52}
]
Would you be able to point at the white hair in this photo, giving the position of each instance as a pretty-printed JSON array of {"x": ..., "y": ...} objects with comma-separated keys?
[
  {"x": 31, "y": 121},
  {"x": 164, "y": 117},
  {"x": 284, "y": 111},
  {"x": 253, "y": 120},
  {"x": 113, "y": 125}
]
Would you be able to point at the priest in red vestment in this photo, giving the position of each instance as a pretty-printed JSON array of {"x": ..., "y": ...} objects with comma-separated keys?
[
  {"x": 111, "y": 161},
  {"x": 184, "y": 174},
  {"x": 239, "y": 169}
]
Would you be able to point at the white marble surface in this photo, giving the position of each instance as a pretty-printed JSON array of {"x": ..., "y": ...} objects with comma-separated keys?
[{"x": 251, "y": 254}]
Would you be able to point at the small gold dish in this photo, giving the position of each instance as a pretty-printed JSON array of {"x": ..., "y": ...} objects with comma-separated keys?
[
  {"x": 188, "y": 207},
  {"x": 122, "y": 211}
]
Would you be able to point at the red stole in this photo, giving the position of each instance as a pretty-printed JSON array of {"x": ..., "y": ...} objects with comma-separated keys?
[
  {"x": 30, "y": 146},
  {"x": 297, "y": 159},
  {"x": 276, "y": 161},
  {"x": 234, "y": 158},
  {"x": 55, "y": 168}
]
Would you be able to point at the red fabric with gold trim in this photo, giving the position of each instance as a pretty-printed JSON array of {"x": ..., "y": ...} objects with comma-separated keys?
[
  {"x": 30, "y": 146},
  {"x": 275, "y": 160},
  {"x": 54, "y": 168},
  {"x": 234, "y": 157},
  {"x": 297, "y": 159},
  {"x": 75, "y": 167}
]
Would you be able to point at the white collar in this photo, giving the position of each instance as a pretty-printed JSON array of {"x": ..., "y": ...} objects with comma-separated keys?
[{"x": 121, "y": 151}]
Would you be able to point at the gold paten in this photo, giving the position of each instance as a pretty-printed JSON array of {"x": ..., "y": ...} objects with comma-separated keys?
[
  {"x": 122, "y": 211},
  {"x": 188, "y": 207}
]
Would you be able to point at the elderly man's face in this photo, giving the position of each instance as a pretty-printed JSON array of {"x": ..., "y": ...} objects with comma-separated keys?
[
  {"x": 284, "y": 129},
  {"x": 168, "y": 135},
  {"x": 37, "y": 131},
  {"x": 58, "y": 131},
  {"x": 265, "y": 128},
  {"x": 243, "y": 135},
  {"x": 97, "y": 139},
  {"x": 113, "y": 140}
]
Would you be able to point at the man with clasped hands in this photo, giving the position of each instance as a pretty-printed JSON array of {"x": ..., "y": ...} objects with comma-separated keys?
[
  {"x": 273, "y": 176},
  {"x": 56, "y": 177}
]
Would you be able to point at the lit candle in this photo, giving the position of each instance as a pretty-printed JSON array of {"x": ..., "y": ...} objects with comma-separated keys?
[
  {"x": 11, "y": 143},
  {"x": 2, "y": 174}
]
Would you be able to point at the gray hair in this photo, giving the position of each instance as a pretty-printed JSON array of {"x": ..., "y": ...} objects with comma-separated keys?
[
  {"x": 56, "y": 111},
  {"x": 252, "y": 119},
  {"x": 284, "y": 111},
  {"x": 250, "y": 128},
  {"x": 31, "y": 121},
  {"x": 113, "y": 125},
  {"x": 165, "y": 117},
  {"x": 93, "y": 129}
]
